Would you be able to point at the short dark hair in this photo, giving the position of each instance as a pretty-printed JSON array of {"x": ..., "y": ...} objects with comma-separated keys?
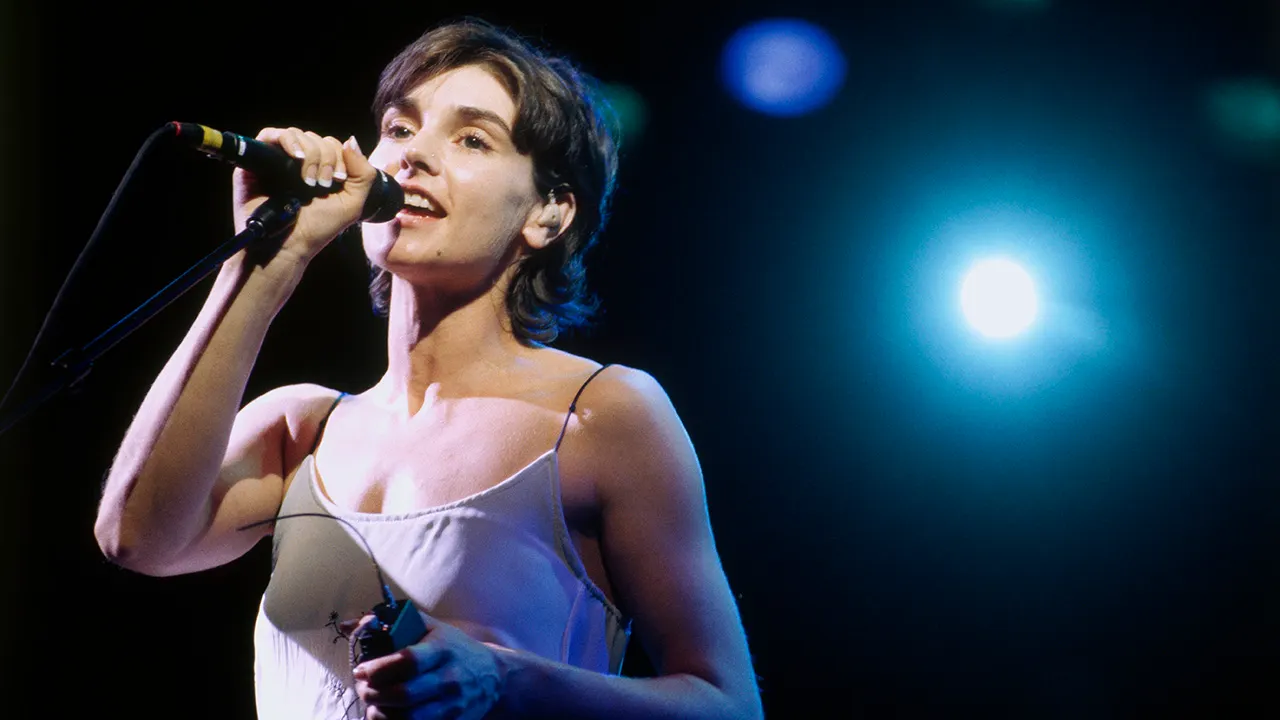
[{"x": 560, "y": 124}]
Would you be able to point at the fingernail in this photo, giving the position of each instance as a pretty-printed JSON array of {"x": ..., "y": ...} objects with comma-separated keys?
[
  {"x": 360, "y": 673},
  {"x": 339, "y": 175},
  {"x": 355, "y": 144},
  {"x": 310, "y": 178},
  {"x": 300, "y": 154}
]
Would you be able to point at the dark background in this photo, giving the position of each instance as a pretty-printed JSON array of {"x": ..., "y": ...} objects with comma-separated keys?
[{"x": 914, "y": 526}]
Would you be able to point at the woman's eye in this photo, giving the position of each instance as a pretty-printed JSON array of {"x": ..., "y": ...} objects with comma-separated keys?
[
  {"x": 473, "y": 141},
  {"x": 398, "y": 132}
]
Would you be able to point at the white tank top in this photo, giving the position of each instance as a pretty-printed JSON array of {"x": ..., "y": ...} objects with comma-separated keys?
[{"x": 499, "y": 565}]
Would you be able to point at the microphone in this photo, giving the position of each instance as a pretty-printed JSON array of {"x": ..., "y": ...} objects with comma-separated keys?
[{"x": 276, "y": 168}]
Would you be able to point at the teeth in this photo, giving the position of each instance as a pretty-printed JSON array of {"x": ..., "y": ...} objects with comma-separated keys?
[{"x": 419, "y": 202}]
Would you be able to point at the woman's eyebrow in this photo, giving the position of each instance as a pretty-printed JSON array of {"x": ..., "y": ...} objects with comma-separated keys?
[
  {"x": 470, "y": 113},
  {"x": 401, "y": 106},
  {"x": 465, "y": 113}
]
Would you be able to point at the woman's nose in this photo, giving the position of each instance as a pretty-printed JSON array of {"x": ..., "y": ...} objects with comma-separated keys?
[{"x": 414, "y": 158}]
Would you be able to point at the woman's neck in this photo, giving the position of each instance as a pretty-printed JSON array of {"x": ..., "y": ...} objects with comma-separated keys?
[{"x": 442, "y": 347}]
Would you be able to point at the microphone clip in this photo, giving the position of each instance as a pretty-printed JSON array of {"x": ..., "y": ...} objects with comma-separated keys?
[{"x": 268, "y": 226}]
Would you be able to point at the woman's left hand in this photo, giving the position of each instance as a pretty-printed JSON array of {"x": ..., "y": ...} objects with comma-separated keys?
[{"x": 447, "y": 674}]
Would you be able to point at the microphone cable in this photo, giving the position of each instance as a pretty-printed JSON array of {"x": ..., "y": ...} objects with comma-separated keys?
[
  {"x": 396, "y": 624},
  {"x": 273, "y": 214},
  {"x": 387, "y": 597},
  {"x": 78, "y": 267}
]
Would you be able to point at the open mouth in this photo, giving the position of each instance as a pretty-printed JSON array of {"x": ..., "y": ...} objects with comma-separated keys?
[{"x": 421, "y": 205}]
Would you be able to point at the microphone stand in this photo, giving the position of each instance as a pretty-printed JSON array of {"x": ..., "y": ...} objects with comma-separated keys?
[{"x": 273, "y": 217}]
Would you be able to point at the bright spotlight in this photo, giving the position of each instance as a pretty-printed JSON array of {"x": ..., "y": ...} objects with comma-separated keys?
[
  {"x": 782, "y": 67},
  {"x": 998, "y": 298}
]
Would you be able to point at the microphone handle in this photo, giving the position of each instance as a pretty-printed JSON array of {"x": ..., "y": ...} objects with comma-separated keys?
[{"x": 282, "y": 172}]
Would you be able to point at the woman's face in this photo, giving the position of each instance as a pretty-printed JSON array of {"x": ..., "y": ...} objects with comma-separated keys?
[{"x": 469, "y": 193}]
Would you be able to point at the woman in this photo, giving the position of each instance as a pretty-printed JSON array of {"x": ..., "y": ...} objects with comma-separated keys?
[{"x": 534, "y": 505}]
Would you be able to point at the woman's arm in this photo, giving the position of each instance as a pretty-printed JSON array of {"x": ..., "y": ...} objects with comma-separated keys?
[
  {"x": 159, "y": 494},
  {"x": 193, "y": 467},
  {"x": 662, "y": 564}
]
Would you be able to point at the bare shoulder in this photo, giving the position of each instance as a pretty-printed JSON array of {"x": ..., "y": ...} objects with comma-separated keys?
[
  {"x": 295, "y": 403},
  {"x": 622, "y": 397},
  {"x": 628, "y": 429},
  {"x": 613, "y": 397},
  {"x": 292, "y": 411}
]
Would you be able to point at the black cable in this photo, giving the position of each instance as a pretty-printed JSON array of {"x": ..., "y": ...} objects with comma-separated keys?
[
  {"x": 81, "y": 261},
  {"x": 386, "y": 591},
  {"x": 382, "y": 583},
  {"x": 394, "y": 634},
  {"x": 347, "y": 710}
]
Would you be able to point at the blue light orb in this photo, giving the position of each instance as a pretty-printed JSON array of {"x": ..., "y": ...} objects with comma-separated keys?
[{"x": 782, "y": 67}]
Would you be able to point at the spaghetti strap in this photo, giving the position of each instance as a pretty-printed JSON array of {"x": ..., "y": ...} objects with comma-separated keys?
[
  {"x": 574, "y": 405},
  {"x": 325, "y": 421}
]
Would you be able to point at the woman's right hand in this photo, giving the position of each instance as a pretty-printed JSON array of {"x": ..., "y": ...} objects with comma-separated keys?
[{"x": 324, "y": 159}]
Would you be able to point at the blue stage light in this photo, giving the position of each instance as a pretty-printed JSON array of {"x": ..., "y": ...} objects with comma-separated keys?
[
  {"x": 998, "y": 298},
  {"x": 782, "y": 67}
]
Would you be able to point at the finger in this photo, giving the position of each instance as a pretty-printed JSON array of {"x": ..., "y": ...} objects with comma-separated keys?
[
  {"x": 310, "y": 146},
  {"x": 286, "y": 138},
  {"x": 387, "y": 670},
  {"x": 392, "y": 696},
  {"x": 349, "y": 627},
  {"x": 356, "y": 164},
  {"x": 403, "y": 665},
  {"x": 328, "y": 161},
  {"x": 340, "y": 162},
  {"x": 246, "y": 184},
  {"x": 377, "y": 713},
  {"x": 430, "y": 687}
]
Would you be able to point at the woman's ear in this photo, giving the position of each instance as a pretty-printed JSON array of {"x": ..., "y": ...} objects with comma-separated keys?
[{"x": 552, "y": 218}]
